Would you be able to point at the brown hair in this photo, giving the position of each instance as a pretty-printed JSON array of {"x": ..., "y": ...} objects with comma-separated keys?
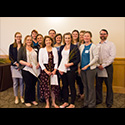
[
  {"x": 78, "y": 34},
  {"x": 34, "y": 31},
  {"x": 39, "y": 35},
  {"x": 59, "y": 34},
  {"x": 82, "y": 31},
  {"x": 89, "y": 34},
  {"x": 44, "y": 39},
  {"x": 65, "y": 35},
  {"x": 51, "y": 30},
  {"x": 15, "y": 44}
]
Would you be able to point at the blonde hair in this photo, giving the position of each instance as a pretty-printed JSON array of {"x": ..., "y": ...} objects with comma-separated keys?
[{"x": 24, "y": 42}]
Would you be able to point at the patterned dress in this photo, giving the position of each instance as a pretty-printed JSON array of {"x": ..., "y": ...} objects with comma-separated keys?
[{"x": 45, "y": 87}]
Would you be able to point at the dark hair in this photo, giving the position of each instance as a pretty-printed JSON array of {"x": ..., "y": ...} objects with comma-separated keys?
[
  {"x": 58, "y": 34},
  {"x": 39, "y": 35},
  {"x": 78, "y": 34},
  {"x": 104, "y": 31},
  {"x": 44, "y": 45},
  {"x": 52, "y": 30}
]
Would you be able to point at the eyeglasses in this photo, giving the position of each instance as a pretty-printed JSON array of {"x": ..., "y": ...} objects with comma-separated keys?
[
  {"x": 18, "y": 36},
  {"x": 103, "y": 34}
]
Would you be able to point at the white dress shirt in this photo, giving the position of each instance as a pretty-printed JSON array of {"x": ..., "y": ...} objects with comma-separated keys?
[{"x": 107, "y": 53}]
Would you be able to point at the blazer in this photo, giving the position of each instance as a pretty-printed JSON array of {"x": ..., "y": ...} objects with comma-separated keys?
[
  {"x": 74, "y": 56},
  {"x": 43, "y": 57},
  {"x": 94, "y": 55},
  {"x": 13, "y": 53}
]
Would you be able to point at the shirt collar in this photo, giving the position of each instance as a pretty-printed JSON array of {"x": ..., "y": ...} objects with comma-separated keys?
[{"x": 103, "y": 42}]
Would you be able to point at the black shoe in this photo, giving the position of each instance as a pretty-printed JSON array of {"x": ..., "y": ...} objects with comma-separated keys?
[
  {"x": 97, "y": 103},
  {"x": 109, "y": 106},
  {"x": 85, "y": 107}
]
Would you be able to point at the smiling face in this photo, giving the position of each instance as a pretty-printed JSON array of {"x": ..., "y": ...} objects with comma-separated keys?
[
  {"x": 81, "y": 36},
  {"x": 58, "y": 39},
  {"x": 29, "y": 41},
  {"x": 52, "y": 34},
  {"x": 75, "y": 35},
  {"x": 40, "y": 39},
  {"x": 48, "y": 42},
  {"x": 18, "y": 38},
  {"x": 103, "y": 35},
  {"x": 68, "y": 39},
  {"x": 87, "y": 37}
]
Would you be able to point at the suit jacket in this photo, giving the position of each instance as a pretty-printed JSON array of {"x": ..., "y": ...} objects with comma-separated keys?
[
  {"x": 74, "y": 56},
  {"x": 13, "y": 54}
]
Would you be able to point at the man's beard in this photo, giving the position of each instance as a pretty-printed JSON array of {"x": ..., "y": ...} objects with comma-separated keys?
[{"x": 103, "y": 38}]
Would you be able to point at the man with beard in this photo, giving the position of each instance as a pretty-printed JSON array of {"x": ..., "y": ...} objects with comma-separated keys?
[{"x": 107, "y": 53}]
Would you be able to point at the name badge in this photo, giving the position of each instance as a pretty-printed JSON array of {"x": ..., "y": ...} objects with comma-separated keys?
[{"x": 87, "y": 51}]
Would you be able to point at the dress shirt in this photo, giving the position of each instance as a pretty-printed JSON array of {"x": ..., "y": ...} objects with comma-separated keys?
[{"x": 107, "y": 53}]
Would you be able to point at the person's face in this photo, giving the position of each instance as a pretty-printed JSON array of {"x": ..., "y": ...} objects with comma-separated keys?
[
  {"x": 58, "y": 39},
  {"x": 39, "y": 39},
  {"x": 18, "y": 38},
  {"x": 75, "y": 35},
  {"x": 87, "y": 37},
  {"x": 34, "y": 34},
  {"x": 48, "y": 42},
  {"x": 81, "y": 36},
  {"x": 103, "y": 35},
  {"x": 67, "y": 39},
  {"x": 52, "y": 34},
  {"x": 29, "y": 41}
]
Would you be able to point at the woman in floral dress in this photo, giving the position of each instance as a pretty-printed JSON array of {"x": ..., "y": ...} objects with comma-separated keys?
[{"x": 48, "y": 60}]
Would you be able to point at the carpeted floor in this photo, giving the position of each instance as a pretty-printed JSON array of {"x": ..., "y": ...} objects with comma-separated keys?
[{"x": 7, "y": 101}]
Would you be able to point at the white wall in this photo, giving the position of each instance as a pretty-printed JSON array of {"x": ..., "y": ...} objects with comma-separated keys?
[{"x": 115, "y": 26}]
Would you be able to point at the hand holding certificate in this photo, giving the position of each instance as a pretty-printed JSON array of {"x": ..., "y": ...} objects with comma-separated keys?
[{"x": 53, "y": 80}]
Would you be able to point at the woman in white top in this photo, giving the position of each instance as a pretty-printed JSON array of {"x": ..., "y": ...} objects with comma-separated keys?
[
  {"x": 30, "y": 69},
  {"x": 48, "y": 60}
]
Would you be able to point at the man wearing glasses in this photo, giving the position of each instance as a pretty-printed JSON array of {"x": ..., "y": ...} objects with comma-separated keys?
[{"x": 107, "y": 53}]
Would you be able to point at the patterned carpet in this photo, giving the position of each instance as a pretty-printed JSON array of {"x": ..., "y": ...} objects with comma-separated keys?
[{"x": 7, "y": 101}]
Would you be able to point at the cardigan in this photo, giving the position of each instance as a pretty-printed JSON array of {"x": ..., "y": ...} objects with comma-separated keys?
[
  {"x": 43, "y": 57},
  {"x": 22, "y": 56},
  {"x": 74, "y": 56},
  {"x": 94, "y": 55}
]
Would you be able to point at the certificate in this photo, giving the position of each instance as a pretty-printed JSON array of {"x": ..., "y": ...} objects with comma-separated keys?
[
  {"x": 62, "y": 66},
  {"x": 54, "y": 80},
  {"x": 102, "y": 73}
]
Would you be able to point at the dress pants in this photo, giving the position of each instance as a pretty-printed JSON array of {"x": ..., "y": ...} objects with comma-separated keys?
[
  {"x": 68, "y": 79},
  {"x": 88, "y": 78},
  {"x": 30, "y": 82},
  {"x": 108, "y": 82}
]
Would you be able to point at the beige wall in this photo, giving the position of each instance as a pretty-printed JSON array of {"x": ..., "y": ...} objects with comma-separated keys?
[{"x": 115, "y": 26}]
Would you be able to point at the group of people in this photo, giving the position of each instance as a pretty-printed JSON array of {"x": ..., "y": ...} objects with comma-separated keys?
[{"x": 71, "y": 58}]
